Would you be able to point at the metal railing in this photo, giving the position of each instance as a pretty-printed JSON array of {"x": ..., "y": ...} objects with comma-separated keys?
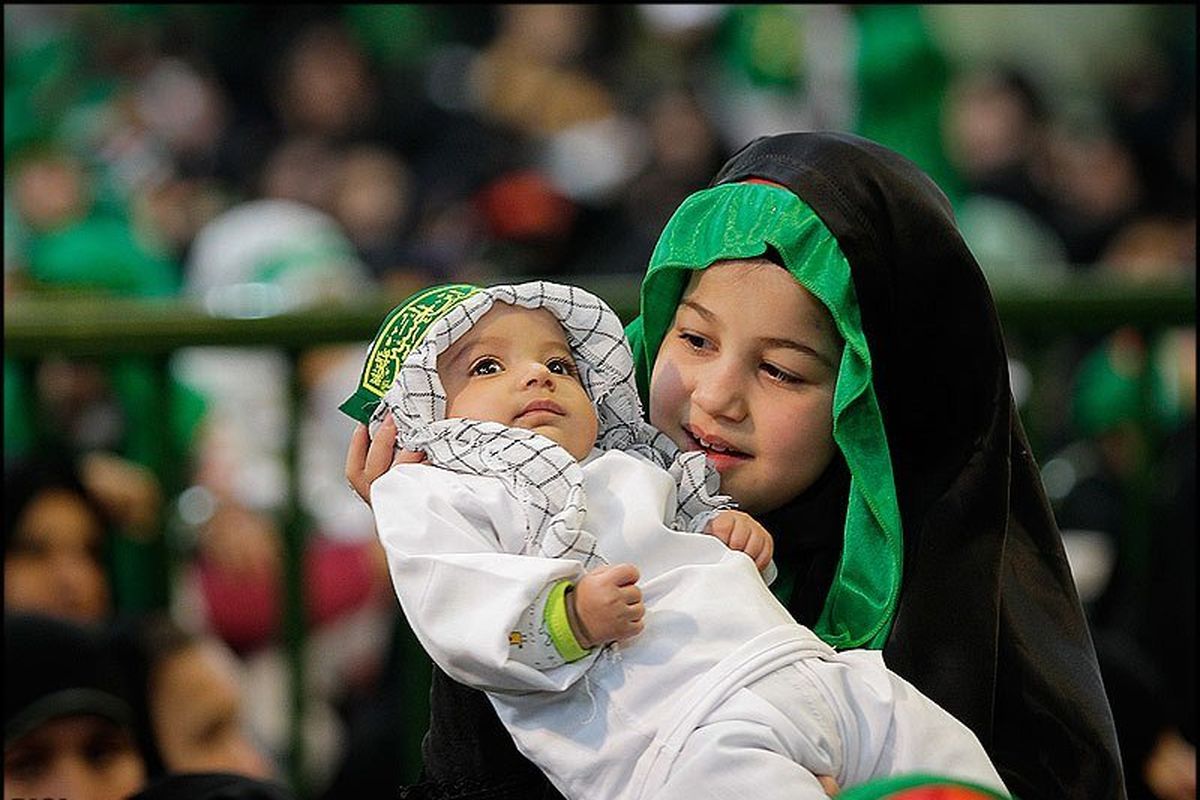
[{"x": 87, "y": 327}]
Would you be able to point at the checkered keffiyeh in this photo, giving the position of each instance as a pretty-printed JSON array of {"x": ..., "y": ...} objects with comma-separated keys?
[{"x": 539, "y": 473}]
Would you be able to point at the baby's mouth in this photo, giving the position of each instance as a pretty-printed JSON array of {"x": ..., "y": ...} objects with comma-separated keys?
[{"x": 541, "y": 407}]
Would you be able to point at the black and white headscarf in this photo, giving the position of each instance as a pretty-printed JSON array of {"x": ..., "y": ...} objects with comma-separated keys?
[{"x": 545, "y": 479}]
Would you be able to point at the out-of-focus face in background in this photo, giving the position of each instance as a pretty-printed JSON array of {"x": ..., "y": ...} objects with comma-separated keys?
[
  {"x": 196, "y": 707},
  {"x": 67, "y": 722},
  {"x": 53, "y": 560},
  {"x": 83, "y": 757}
]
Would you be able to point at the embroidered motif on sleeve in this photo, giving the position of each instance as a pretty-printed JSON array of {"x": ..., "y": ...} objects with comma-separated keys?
[{"x": 530, "y": 643}]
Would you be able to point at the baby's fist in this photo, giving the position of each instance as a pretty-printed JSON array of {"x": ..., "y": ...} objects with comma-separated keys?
[
  {"x": 606, "y": 605},
  {"x": 740, "y": 531}
]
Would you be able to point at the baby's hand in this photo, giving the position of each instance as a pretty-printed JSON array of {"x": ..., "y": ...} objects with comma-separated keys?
[
  {"x": 740, "y": 531},
  {"x": 606, "y": 606}
]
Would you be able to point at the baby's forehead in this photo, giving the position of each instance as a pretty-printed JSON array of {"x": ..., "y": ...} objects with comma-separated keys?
[
  {"x": 507, "y": 319},
  {"x": 507, "y": 323}
]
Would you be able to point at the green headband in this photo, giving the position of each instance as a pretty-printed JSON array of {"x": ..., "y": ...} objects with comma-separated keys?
[
  {"x": 402, "y": 329},
  {"x": 740, "y": 220}
]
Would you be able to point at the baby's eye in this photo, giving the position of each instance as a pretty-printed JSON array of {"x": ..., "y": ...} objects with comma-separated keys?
[
  {"x": 778, "y": 375},
  {"x": 562, "y": 366},
  {"x": 486, "y": 366},
  {"x": 693, "y": 340}
]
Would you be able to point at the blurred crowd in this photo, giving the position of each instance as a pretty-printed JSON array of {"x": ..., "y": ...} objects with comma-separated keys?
[{"x": 261, "y": 158}]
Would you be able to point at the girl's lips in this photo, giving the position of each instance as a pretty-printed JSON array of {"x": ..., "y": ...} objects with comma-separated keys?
[{"x": 721, "y": 459}]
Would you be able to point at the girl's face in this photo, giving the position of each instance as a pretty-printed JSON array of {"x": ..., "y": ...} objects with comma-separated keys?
[{"x": 746, "y": 373}]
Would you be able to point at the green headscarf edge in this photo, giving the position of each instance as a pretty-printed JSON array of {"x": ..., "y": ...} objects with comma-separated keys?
[{"x": 739, "y": 220}]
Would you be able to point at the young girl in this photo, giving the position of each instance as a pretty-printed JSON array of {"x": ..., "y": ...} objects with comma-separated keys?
[{"x": 924, "y": 530}]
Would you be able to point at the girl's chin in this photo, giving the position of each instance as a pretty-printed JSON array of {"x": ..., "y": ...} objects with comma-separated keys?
[{"x": 725, "y": 462}]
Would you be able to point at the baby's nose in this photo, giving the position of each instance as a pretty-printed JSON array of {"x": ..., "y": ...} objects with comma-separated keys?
[{"x": 538, "y": 373}]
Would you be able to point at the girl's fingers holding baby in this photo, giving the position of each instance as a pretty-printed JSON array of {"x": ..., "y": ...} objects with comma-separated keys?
[
  {"x": 379, "y": 455},
  {"x": 356, "y": 454},
  {"x": 408, "y": 457},
  {"x": 356, "y": 460},
  {"x": 369, "y": 457}
]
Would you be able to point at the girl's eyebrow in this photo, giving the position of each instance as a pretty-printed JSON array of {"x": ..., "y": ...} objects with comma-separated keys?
[
  {"x": 803, "y": 349},
  {"x": 701, "y": 310},
  {"x": 770, "y": 341}
]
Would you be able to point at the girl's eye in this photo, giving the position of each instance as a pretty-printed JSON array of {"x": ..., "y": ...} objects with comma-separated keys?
[
  {"x": 778, "y": 375},
  {"x": 562, "y": 366},
  {"x": 692, "y": 340},
  {"x": 486, "y": 366}
]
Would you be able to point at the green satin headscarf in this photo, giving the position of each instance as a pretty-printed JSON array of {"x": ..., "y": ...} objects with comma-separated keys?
[{"x": 739, "y": 220}]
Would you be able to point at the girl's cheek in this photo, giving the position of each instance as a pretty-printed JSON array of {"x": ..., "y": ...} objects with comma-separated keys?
[
  {"x": 661, "y": 412},
  {"x": 671, "y": 386},
  {"x": 667, "y": 392}
]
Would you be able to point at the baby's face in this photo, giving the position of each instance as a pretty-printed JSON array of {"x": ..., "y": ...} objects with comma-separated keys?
[{"x": 515, "y": 367}]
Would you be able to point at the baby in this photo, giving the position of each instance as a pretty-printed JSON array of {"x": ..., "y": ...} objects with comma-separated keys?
[{"x": 549, "y": 552}]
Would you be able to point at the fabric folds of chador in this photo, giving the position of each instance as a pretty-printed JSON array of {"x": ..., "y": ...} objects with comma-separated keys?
[{"x": 762, "y": 655}]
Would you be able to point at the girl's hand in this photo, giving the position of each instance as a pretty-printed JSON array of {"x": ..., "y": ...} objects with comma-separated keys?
[
  {"x": 740, "y": 531},
  {"x": 367, "y": 458},
  {"x": 606, "y": 606}
]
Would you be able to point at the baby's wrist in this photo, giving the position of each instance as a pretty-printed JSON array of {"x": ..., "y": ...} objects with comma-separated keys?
[{"x": 577, "y": 627}]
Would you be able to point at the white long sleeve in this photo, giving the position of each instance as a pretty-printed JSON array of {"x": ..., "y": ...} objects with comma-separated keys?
[{"x": 451, "y": 541}]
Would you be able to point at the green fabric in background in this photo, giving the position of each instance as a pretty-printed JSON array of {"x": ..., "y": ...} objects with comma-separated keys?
[
  {"x": 100, "y": 252},
  {"x": 1119, "y": 383},
  {"x": 397, "y": 35},
  {"x": 18, "y": 425},
  {"x": 765, "y": 44},
  {"x": 902, "y": 81}
]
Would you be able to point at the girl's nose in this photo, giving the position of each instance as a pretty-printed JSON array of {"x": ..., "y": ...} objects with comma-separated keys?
[{"x": 720, "y": 392}]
